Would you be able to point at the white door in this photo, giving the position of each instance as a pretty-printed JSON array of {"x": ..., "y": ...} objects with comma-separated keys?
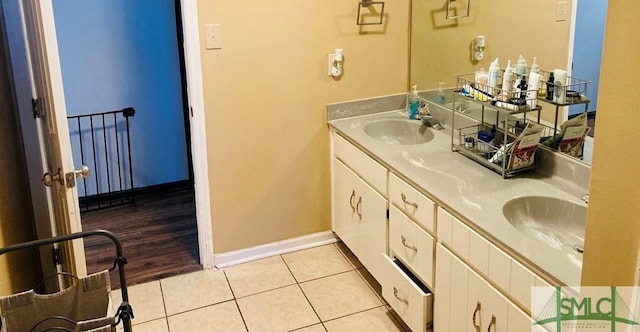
[{"x": 53, "y": 134}]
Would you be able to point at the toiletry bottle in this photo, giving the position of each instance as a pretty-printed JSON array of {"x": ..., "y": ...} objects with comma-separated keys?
[
  {"x": 560, "y": 86},
  {"x": 534, "y": 66},
  {"x": 440, "y": 98},
  {"x": 494, "y": 75},
  {"x": 534, "y": 84},
  {"x": 481, "y": 80},
  {"x": 550, "y": 83},
  {"x": 505, "y": 88},
  {"x": 532, "y": 92},
  {"x": 414, "y": 103},
  {"x": 521, "y": 91},
  {"x": 521, "y": 66}
]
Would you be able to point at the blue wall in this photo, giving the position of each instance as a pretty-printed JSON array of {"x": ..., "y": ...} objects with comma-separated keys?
[
  {"x": 587, "y": 49},
  {"x": 119, "y": 53}
]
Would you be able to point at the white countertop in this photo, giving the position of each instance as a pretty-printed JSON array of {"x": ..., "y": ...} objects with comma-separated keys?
[{"x": 471, "y": 191}]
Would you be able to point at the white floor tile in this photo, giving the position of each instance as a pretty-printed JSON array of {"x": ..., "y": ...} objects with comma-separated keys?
[
  {"x": 145, "y": 299},
  {"x": 222, "y": 317},
  {"x": 283, "y": 309},
  {"x": 259, "y": 276},
  {"x": 316, "y": 262},
  {"x": 340, "y": 295},
  {"x": 195, "y": 290}
]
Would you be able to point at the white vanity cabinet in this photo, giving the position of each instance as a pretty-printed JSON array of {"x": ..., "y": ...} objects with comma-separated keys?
[
  {"x": 465, "y": 301},
  {"x": 359, "y": 210}
]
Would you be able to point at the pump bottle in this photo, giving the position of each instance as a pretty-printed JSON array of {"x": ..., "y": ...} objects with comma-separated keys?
[{"x": 414, "y": 103}]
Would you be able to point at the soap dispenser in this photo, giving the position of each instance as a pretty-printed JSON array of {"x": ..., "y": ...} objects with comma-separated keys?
[
  {"x": 414, "y": 103},
  {"x": 440, "y": 98}
]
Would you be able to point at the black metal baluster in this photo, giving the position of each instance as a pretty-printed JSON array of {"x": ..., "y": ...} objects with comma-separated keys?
[
  {"x": 115, "y": 124},
  {"x": 95, "y": 162},
  {"x": 106, "y": 155}
]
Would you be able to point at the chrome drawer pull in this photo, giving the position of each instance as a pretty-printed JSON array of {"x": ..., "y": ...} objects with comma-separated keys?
[
  {"x": 358, "y": 205},
  {"x": 353, "y": 195},
  {"x": 404, "y": 199},
  {"x": 493, "y": 323},
  {"x": 395, "y": 293},
  {"x": 404, "y": 243},
  {"x": 473, "y": 319}
]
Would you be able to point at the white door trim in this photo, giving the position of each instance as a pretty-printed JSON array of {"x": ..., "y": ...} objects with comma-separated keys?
[{"x": 190, "y": 30}]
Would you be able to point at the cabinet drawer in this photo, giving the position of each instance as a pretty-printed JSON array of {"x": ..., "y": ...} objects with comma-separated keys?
[
  {"x": 367, "y": 168},
  {"x": 412, "y": 202},
  {"x": 412, "y": 245},
  {"x": 412, "y": 301}
]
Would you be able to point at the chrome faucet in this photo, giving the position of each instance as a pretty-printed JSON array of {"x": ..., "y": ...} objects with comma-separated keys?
[
  {"x": 427, "y": 119},
  {"x": 430, "y": 121}
]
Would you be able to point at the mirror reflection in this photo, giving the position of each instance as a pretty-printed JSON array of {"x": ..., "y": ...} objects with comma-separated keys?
[{"x": 568, "y": 38}]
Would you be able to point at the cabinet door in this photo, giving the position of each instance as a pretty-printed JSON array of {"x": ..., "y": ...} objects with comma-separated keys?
[
  {"x": 360, "y": 218},
  {"x": 345, "y": 223},
  {"x": 451, "y": 312},
  {"x": 371, "y": 215}
]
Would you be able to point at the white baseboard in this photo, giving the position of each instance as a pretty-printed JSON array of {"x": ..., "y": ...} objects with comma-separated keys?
[{"x": 275, "y": 248}]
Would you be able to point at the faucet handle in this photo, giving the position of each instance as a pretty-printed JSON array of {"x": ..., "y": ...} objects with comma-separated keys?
[{"x": 585, "y": 198}]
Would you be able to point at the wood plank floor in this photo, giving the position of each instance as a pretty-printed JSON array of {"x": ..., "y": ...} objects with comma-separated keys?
[{"x": 158, "y": 234}]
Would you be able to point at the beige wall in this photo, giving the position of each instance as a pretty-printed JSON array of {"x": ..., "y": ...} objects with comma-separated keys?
[
  {"x": 265, "y": 93},
  {"x": 440, "y": 48},
  {"x": 16, "y": 270},
  {"x": 613, "y": 221}
]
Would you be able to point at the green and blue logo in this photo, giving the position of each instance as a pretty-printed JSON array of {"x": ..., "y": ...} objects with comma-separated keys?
[{"x": 599, "y": 311}]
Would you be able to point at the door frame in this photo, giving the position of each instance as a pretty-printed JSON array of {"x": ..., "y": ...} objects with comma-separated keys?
[{"x": 195, "y": 91}]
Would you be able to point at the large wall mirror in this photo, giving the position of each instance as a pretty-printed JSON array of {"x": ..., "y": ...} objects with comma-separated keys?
[{"x": 441, "y": 48}]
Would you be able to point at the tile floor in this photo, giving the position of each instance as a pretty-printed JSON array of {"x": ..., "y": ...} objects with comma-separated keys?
[{"x": 314, "y": 290}]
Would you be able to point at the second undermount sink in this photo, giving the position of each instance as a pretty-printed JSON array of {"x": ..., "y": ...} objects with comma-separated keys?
[
  {"x": 558, "y": 223},
  {"x": 401, "y": 132}
]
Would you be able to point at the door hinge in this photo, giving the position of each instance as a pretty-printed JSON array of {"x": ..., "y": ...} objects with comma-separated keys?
[
  {"x": 57, "y": 256},
  {"x": 387, "y": 214},
  {"x": 36, "y": 105}
]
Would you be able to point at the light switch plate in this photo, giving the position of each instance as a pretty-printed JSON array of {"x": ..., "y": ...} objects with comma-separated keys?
[
  {"x": 213, "y": 36},
  {"x": 562, "y": 11}
]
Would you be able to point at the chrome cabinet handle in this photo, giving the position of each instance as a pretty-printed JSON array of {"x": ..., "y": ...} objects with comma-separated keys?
[
  {"x": 395, "y": 293},
  {"x": 404, "y": 243},
  {"x": 358, "y": 205},
  {"x": 404, "y": 199},
  {"x": 493, "y": 323},
  {"x": 353, "y": 195},
  {"x": 473, "y": 319}
]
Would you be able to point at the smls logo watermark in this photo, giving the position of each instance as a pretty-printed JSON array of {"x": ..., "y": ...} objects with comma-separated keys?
[{"x": 585, "y": 308}]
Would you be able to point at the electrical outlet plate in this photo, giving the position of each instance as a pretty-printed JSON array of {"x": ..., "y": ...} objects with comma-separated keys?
[{"x": 562, "y": 11}]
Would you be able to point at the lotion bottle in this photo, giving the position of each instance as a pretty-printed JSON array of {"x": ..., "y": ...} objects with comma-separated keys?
[
  {"x": 414, "y": 103},
  {"x": 521, "y": 71},
  {"x": 494, "y": 75},
  {"x": 507, "y": 82}
]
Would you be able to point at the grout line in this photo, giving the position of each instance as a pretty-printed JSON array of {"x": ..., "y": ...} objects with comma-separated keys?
[
  {"x": 235, "y": 300},
  {"x": 241, "y": 315},
  {"x": 164, "y": 305},
  {"x": 233, "y": 294},
  {"x": 354, "y": 313}
]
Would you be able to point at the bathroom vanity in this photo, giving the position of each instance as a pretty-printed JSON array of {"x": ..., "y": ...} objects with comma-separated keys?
[{"x": 429, "y": 224}]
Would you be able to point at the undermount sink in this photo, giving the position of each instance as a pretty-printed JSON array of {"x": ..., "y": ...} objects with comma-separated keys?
[
  {"x": 558, "y": 223},
  {"x": 401, "y": 132}
]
